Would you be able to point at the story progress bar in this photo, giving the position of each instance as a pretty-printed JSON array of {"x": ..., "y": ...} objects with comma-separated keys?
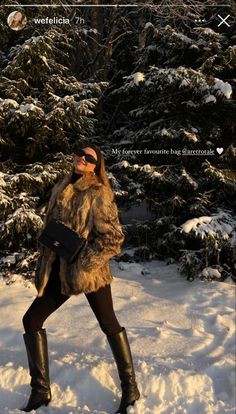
[{"x": 115, "y": 5}]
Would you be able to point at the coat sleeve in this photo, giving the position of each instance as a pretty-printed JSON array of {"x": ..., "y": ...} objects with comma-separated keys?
[
  {"x": 40, "y": 247},
  {"x": 107, "y": 234}
]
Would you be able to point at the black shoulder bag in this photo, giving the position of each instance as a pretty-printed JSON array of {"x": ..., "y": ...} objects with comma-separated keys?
[{"x": 59, "y": 238}]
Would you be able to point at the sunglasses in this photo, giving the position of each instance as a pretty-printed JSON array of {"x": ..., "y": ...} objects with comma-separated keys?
[{"x": 88, "y": 157}]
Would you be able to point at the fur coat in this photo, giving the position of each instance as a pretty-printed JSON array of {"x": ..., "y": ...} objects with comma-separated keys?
[{"x": 88, "y": 207}]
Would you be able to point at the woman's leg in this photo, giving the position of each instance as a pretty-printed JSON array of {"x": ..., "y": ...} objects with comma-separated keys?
[
  {"x": 102, "y": 306},
  {"x": 44, "y": 306},
  {"x": 35, "y": 339}
]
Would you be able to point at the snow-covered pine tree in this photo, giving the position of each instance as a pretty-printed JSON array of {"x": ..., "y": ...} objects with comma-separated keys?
[
  {"x": 179, "y": 93},
  {"x": 140, "y": 79}
]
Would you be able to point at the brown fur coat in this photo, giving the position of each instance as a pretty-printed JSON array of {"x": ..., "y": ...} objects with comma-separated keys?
[{"x": 87, "y": 206}]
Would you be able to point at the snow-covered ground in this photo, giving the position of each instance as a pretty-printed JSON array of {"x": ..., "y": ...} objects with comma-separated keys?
[{"x": 182, "y": 336}]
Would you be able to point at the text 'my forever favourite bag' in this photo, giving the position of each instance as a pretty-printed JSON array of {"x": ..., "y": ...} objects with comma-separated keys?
[{"x": 59, "y": 238}]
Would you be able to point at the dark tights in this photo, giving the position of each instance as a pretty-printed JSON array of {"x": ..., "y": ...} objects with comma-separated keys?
[{"x": 100, "y": 302}]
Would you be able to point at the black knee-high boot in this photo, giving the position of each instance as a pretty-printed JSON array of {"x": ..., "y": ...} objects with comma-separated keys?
[
  {"x": 37, "y": 352},
  {"x": 121, "y": 350}
]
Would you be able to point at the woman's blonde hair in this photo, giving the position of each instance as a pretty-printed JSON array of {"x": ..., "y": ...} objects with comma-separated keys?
[
  {"x": 100, "y": 169},
  {"x": 102, "y": 174}
]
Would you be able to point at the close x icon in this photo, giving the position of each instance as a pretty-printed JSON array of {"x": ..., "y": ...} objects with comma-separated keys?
[{"x": 223, "y": 20}]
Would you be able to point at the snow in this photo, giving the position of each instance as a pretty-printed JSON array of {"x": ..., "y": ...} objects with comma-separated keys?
[
  {"x": 190, "y": 136},
  {"x": 136, "y": 167},
  {"x": 156, "y": 174},
  {"x": 86, "y": 31},
  {"x": 137, "y": 77},
  {"x": 5, "y": 201},
  {"x": 29, "y": 107},
  {"x": 9, "y": 259},
  {"x": 170, "y": 79},
  {"x": 164, "y": 132},
  {"x": 185, "y": 82},
  {"x": 147, "y": 25},
  {"x": 44, "y": 59},
  {"x": 208, "y": 33},
  {"x": 181, "y": 336},
  {"x": 223, "y": 87},
  {"x": 9, "y": 102},
  {"x": 146, "y": 168},
  {"x": 210, "y": 272},
  {"x": 124, "y": 164},
  {"x": 192, "y": 182},
  {"x": 219, "y": 225},
  {"x": 207, "y": 30},
  {"x": 22, "y": 216},
  {"x": 26, "y": 108},
  {"x": 210, "y": 98}
]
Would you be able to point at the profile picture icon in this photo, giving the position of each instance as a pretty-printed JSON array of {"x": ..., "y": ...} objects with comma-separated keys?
[{"x": 17, "y": 20}]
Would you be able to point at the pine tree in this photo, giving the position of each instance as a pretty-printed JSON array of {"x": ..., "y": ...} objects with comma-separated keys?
[{"x": 149, "y": 86}]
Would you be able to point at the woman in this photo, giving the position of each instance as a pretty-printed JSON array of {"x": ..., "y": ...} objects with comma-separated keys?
[
  {"x": 83, "y": 201},
  {"x": 17, "y": 20}
]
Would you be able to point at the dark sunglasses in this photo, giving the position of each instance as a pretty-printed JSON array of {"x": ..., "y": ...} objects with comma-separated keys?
[{"x": 88, "y": 157}]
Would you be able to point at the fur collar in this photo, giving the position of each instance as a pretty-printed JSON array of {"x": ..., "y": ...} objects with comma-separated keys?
[{"x": 86, "y": 181}]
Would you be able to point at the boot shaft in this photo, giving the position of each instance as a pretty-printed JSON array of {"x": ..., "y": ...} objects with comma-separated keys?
[
  {"x": 37, "y": 352},
  {"x": 121, "y": 351}
]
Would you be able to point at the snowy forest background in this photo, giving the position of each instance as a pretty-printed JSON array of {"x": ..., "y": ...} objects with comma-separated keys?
[{"x": 150, "y": 80}]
